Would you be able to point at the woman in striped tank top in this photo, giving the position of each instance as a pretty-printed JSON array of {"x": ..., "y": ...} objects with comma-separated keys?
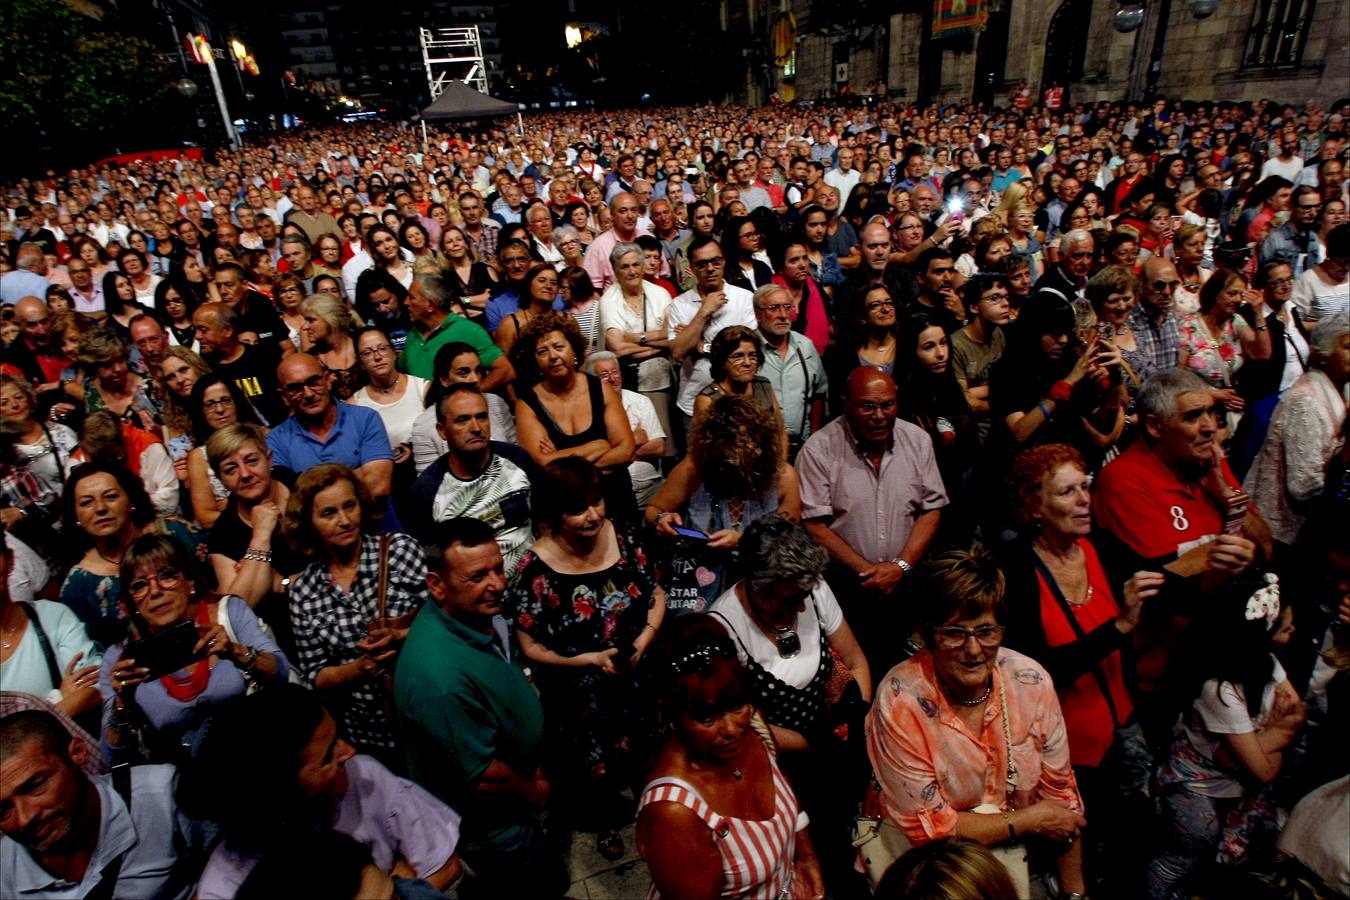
[{"x": 718, "y": 818}]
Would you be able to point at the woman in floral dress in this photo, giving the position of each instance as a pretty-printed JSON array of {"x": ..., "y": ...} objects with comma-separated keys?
[
  {"x": 1216, "y": 340},
  {"x": 586, "y": 605}
]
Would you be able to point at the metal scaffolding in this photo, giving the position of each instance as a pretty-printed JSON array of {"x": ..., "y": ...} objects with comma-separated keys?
[{"x": 445, "y": 53}]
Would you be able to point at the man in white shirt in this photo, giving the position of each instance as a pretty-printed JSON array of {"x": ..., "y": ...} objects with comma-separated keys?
[
  {"x": 650, "y": 437},
  {"x": 696, "y": 316},
  {"x": 1285, "y": 163},
  {"x": 843, "y": 177}
]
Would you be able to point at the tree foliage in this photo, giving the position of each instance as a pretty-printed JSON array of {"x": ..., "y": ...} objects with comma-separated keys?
[{"x": 61, "y": 70}]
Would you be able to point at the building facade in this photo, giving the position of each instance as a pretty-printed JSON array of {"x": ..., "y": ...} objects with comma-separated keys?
[{"x": 1286, "y": 50}]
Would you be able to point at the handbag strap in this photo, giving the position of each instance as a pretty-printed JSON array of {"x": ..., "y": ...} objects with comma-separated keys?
[
  {"x": 382, "y": 578},
  {"x": 1064, "y": 606},
  {"x": 1007, "y": 734},
  {"x": 53, "y": 669}
]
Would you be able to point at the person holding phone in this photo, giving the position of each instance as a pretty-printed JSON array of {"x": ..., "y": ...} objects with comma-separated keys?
[
  {"x": 585, "y": 606},
  {"x": 188, "y": 650}
]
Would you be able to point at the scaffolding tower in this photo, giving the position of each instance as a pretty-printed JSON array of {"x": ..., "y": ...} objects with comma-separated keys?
[{"x": 445, "y": 54}]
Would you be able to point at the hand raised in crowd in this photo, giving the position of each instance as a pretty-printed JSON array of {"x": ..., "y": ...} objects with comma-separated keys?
[
  {"x": 1086, "y": 366},
  {"x": 1139, "y": 588}
]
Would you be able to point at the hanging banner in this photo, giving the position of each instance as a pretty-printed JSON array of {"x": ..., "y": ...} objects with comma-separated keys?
[
  {"x": 783, "y": 38},
  {"x": 953, "y": 17}
]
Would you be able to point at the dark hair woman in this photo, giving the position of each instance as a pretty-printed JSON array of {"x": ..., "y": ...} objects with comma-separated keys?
[
  {"x": 712, "y": 778},
  {"x": 931, "y": 397},
  {"x": 742, "y": 244},
  {"x": 584, "y": 651},
  {"x": 312, "y": 779}
]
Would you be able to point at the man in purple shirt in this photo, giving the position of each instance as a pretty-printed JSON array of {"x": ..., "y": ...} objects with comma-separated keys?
[{"x": 872, "y": 497}]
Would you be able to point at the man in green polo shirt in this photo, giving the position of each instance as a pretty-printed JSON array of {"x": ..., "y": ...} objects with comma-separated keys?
[
  {"x": 472, "y": 724},
  {"x": 434, "y": 326}
]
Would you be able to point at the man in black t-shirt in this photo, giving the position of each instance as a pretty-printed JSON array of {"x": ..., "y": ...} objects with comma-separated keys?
[
  {"x": 251, "y": 367},
  {"x": 255, "y": 312}
]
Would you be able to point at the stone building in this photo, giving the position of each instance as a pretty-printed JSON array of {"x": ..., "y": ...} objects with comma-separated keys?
[{"x": 1286, "y": 50}]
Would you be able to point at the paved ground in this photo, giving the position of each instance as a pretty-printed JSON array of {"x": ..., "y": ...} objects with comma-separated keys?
[{"x": 596, "y": 878}]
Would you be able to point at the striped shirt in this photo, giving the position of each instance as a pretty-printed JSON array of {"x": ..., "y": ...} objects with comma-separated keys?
[{"x": 757, "y": 855}]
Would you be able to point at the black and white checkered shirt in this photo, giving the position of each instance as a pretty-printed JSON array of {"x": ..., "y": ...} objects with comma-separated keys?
[{"x": 329, "y": 622}]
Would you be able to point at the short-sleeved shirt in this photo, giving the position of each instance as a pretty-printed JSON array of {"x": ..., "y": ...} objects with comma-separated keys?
[
  {"x": 498, "y": 496},
  {"x": 797, "y": 380},
  {"x": 255, "y": 374},
  {"x": 642, "y": 414},
  {"x": 1148, "y": 507},
  {"x": 1219, "y": 709},
  {"x": 820, "y": 612},
  {"x": 356, "y": 438},
  {"x": 419, "y": 352},
  {"x": 391, "y": 816},
  {"x": 152, "y": 839},
  {"x": 463, "y": 702},
  {"x": 873, "y": 511},
  {"x": 696, "y": 370},
  {"x": 971, "y": 362}
]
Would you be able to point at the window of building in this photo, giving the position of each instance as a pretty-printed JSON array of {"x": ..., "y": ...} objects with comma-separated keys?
[{"x": 1277, "y": 34}]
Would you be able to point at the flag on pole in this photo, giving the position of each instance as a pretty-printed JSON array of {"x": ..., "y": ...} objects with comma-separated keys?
[{"x": 953, "y": 17}]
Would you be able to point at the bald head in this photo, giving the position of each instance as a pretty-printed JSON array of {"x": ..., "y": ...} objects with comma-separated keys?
[
  {"x": 625, "y": 209},
  {"x": 867, "y": 378},
  {"x": 34, "y": 321},
  {"x": 870, "y": 407},
  {"x": 298, "y": 367},
  {"x": 875, "y": 240}
]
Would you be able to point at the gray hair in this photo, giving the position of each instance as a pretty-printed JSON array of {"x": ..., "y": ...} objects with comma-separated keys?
[
  {"x": 293, "y": 238},
  {"x": 1327, "y": 333},
  {"x": 29, "y": 256},
  {"x": 564, "y": 233},
  {"x": 622, "y": 249},
  {"x": 1076, "y": 236},
  {"x": 434, "y": 289},
  {"x": 1158, "y": 396},
  {"x": 763, "y": 292},
  {"x": 599, "y": 356},
  {"x": 776, "y": 551}
]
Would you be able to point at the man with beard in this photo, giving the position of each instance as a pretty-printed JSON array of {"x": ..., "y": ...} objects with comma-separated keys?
[{"x": 67, "y": 833}]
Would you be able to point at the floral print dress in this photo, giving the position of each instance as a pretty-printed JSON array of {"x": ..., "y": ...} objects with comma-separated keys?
[
  {"x": 600, "y": 722},
  {"x": 1215, "y": 358}
]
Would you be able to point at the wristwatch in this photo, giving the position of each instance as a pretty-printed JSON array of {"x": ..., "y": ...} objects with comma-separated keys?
[
  {"x": 643, "y": 340},
  {"x": 904, "y": 566}
]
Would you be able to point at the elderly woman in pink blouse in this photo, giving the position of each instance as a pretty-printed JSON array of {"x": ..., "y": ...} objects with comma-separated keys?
[{"x": 944, "y": 722}]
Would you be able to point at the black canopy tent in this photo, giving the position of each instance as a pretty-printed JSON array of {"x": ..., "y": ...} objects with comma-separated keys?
[{"x": 459, "y": 101}]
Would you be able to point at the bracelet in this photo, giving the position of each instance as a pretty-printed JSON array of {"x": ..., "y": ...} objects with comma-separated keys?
[
  {"x": 659, "y": 516},
  {"x": 903, "y": 565},
  {"x": 1041, "y": 406},
  {"x": 1012, "y": 831},
  {"x": 251, "y": 657},
  {"x": 262, "y": 556},
  {"x": 1061, "y": 391}
]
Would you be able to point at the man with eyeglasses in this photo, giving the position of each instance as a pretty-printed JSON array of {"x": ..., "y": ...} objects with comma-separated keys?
[
  {"x": 322, "y": 430},
  {"x": 252, "y": 367},
  {"x": 792, "y": 365},
  {"x": 981, "y": 343},
  {"x": 695, "y": 317},
  {"x": 872, "y": 496},
  {"x": 1153, "y": 319},
  {"x": 1296, "y": 241}
]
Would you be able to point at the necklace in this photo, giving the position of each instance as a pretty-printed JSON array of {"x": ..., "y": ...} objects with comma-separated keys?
[
  {"x": 103, "y": 556},
  {"x": 989, "y": 689},
  {"x": 384, "y": 391},
  {"x": 737, "y": 773}
]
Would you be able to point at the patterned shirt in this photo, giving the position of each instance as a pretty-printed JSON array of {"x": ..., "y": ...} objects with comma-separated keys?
[
  {"x": 486, "y": 242},
  {"x": 329, "y": 621},
  {"x": 1160, "y": 343},
  {"x": 931, "y": 767}
]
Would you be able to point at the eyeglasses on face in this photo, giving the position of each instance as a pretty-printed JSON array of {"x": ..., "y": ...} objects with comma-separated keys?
[
  {"x": 375, "y": 352},
  {"x": 166, "y": 578},
  {"x": 222, "y": 403},
  {"x": 954, "y": 637},
  {"x": 296, "y": 388},
  {"x": 708, "y": 263}
]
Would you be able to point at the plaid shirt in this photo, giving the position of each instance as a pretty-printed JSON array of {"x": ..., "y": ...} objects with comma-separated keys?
[
  {"x": 329, "y": 621},
  {"x": 486, "y": 242},
  {"x": 1160, "y": 343}
]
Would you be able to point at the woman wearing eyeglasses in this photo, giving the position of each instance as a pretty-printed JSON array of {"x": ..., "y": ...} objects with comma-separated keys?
[
  {"x": 215, "y": 403},
  {"x": 735, "y": 357},
  {"x": 788, "y": 629},
  {"x": 966, "y": 737},
  {"x": 397, "y": 397},
  {"x": 742, "y": 246},
  {"x": 160, "y": 591}
]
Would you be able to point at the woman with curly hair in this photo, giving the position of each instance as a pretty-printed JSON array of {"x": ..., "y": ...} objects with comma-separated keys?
[
  {"x": 734, "y": 474},
  {"x": 561, "y": 411},
  {"x": 583, "y": 649}
]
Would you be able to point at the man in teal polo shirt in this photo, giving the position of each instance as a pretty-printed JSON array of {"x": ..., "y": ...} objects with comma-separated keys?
[
  {"x": 472, "y": 724},
  {"x": 434, "y": 326}
]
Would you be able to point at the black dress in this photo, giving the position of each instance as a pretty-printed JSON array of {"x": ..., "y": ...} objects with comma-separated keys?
[{"x": 620, "y": 502}]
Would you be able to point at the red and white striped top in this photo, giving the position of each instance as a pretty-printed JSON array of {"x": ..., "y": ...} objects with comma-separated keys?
[{"x": 757, "y": 855}]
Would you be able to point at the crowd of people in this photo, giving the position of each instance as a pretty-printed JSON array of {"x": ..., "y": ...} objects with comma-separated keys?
[{"x": 932, "y": 502}]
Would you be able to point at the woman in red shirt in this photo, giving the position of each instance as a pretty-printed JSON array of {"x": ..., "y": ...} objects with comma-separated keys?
[{"x": 1063, "y": 613}]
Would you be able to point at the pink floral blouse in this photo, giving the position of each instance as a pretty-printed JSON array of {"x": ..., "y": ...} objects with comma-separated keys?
[
  {"x": 1215, "y": 359},
  {"x": 930, "y": 767}
]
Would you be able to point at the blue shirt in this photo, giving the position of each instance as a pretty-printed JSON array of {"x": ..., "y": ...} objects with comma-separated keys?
[
  {"x": 20, "y": 283},
  {"x": 357, "y": 437},
  {"x": 505, "y": 303},
  {"x": 151, "y": 839}
]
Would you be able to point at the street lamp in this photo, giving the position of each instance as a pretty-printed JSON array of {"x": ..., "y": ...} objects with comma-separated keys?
[
  {"x": 187, "y": 87},
  {"x": 1203, "y": 9},
  {"x": 1131, "y": 13},
  {"x": 1128, "y": 18}
]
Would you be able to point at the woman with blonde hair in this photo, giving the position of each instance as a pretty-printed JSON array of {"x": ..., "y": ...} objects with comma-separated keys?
[
  {"x": 951, "y": 867},
  {"x": 1013, "y": 197},
  {"x": 178, "y": 372},
  {"x": 329, "y": 326},
  {"x": 469, "y": 278}
]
